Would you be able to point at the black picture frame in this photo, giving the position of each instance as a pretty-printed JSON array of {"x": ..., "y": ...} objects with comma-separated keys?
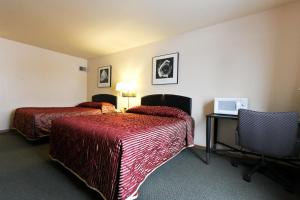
[
  {"x": 104, "y": 76},
  {"x": 165, "y": 69}
]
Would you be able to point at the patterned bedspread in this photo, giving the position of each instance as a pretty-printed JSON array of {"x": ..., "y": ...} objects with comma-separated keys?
[
  {"x": 114, "y": 153},
  {"x": 35, "y": 122}
]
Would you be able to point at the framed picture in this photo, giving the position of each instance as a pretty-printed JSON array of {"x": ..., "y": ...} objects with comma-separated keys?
[
  {"x": 104, "y": 76},
  {"x": 165, "y": 69}
]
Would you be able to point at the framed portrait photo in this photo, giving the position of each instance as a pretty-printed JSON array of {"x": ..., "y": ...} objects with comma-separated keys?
[
  {"x": 165, "y": 69},
  {"x": 104, "y": 76}
]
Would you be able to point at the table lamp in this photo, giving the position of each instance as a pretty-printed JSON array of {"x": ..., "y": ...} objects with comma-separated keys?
[{"x": 127, "y": 90}]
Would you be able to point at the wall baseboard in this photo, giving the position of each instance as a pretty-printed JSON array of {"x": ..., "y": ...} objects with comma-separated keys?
[
  {"x": 199, "y": 147},
  {"x": 4, "y": 131}
]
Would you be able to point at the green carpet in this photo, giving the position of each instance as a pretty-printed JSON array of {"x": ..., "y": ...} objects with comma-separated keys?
[{"x": 27, "y": 173}]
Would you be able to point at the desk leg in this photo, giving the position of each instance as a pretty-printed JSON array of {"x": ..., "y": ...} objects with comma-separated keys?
[
  {"x": 208, "y": 134},
  {"x": 215, "y": 136}
]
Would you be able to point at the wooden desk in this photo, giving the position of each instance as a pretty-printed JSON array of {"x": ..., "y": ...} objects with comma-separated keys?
[{"x": 216, "y": 117}]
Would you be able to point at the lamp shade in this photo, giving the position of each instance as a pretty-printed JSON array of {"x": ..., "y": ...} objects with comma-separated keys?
[{"x": 129, "y": 94}]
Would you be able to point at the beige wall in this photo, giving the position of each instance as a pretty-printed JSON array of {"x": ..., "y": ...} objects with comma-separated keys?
[
  {"x": 256, "y": 57},
  {"x": 32, "y": 76}
]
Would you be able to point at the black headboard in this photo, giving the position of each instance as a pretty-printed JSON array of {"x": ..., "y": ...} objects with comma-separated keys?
[
  {"x": 181, "y": 102},
  {"x": 105, "y": 98}
]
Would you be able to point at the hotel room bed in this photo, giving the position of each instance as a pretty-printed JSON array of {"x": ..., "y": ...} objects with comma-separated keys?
[
  {"x": 114, "y": 153},
  {"x": 35, "y": 122}
]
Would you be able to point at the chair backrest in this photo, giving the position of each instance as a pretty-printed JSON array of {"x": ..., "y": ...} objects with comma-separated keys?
[{"x": 268, "y": 133}]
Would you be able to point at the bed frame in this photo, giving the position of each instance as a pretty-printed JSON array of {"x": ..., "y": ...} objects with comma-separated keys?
[
  {"x": 181, "y": 102},
  {"x": 106, "y": 98}
]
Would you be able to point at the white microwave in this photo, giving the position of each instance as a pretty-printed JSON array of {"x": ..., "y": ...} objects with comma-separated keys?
[{"x": 230, "y": 106}]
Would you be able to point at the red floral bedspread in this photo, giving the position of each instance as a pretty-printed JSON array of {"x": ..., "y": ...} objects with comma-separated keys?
[
  {"x": 35, "y": 122},
  {"x": 114, "y": 153}
]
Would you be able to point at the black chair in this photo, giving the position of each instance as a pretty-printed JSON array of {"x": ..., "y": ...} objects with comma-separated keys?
[{"x": 273, "y": 134}]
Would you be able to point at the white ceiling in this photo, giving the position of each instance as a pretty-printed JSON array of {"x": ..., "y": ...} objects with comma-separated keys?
[{"x": 90, "y": 28}]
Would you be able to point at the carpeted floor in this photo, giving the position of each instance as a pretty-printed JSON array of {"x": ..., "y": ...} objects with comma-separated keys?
[{"x": 27, "y": 173}]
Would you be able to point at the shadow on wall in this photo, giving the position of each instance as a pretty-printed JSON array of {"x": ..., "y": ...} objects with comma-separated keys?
[
  {"x": 12, "y": 114},
  {"x": 208, "y": 107},
  {"x": 285, "y": 74}
]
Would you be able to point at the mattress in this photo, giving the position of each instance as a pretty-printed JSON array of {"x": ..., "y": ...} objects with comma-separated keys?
[{"x": 114, "y": 153}]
